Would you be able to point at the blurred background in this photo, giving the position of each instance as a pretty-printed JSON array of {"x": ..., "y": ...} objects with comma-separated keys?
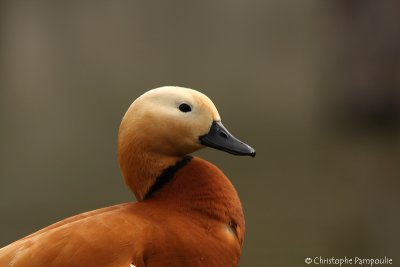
[{"x": 313, "y": 85}]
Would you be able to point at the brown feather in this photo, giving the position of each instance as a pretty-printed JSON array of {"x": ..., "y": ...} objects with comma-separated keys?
[{"x": 183, "y": 224}]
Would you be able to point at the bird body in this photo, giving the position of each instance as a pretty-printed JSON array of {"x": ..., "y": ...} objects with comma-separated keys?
[{"x": 189, "y": 214}]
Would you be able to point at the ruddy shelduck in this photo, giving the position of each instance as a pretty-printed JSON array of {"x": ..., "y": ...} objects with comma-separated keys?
[{"x": 187, "y": 213}]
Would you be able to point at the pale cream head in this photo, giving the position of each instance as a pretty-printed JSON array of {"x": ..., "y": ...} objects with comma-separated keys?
[
  {"x": 156, "y": 132},
  {"x": 156, "y": 119}
]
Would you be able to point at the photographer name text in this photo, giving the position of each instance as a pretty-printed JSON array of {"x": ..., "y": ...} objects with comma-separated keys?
[{"x": 349, "y": 261}]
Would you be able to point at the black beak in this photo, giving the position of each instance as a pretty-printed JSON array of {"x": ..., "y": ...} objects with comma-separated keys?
[{"x": 218, "y": 137}]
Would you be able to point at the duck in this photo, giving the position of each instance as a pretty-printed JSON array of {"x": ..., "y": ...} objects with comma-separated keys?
[{"x": 186, "y": 213}]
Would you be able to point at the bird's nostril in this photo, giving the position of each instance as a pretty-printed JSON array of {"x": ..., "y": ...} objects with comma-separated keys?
[{"x": 223, "y": 135}]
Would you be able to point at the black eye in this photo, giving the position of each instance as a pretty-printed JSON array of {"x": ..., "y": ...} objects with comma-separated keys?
[{"x": 185, "y": 107}]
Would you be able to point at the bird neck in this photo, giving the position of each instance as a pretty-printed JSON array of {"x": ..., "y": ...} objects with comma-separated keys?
[
  {"x": 141, "y": 168},
  {"x": 167, "y": 175},
  {"x": 189, "y": 184}
]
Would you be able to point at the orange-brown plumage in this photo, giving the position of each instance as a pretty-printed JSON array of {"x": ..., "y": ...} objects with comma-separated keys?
[{"x": 194, "y": 218}]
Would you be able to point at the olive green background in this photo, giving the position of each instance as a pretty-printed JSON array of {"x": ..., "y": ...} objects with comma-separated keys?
[{"x": 312, "y": 85}]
